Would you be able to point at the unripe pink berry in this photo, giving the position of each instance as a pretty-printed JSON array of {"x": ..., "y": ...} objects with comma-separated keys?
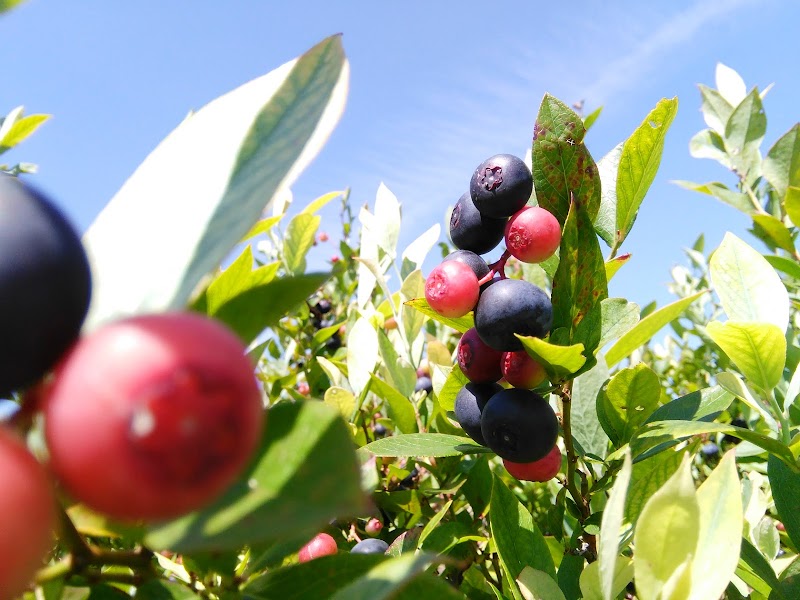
[{"x": 533, "y": 234}]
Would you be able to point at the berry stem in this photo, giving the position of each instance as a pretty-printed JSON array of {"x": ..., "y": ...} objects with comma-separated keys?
[
  {"x": 581, "y": 498},
  {"x": 498, "y": 267}
]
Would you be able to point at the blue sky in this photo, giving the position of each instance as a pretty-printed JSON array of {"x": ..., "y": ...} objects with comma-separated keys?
[{"x": 435, "y": 89}]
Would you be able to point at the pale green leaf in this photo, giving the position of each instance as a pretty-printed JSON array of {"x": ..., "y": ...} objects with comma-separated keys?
[
  {"x": 386, "y": 579},
  {"x": 298, "y": 240},
  {"x": 368, "y": 255},
  {"x": 716, "y": 110},
  {"x": 605, "y": 224},
  {"x": 342, "y": 400},
  {"x": 720, "y": 191},
  {"x": 792, "y": 204},
  {"x": 21, "y": 129},
  {"x": 460, "y": 324},
  {"x": 537, "y": 585},
  {"x": 263, "y": 226},
  {"x": 590, "y": 579},
  {"x": 611, "y": 525},
  {"x": 362, "y": 353},
  {"x": 237, "y": 279},
  {"x": 709, "y": 144},
  {"x": 743, "y": 134},
  {"x": 647, "y": 477},
  {"x": 399, "y": 407},
  {"x": 618, "y": 317},
  {"x": 9, "y": 4},
  {"x": 730, "y": 84},
  {"x": 319, "y": 203},
  {"x": 776, "y": 231},
  {"x": 757, "y": 349},
  {"x": 615, "y": 264},
  {"x": 586, "y": 428},
  {"x": 647, "y": 328},
  {"x": 452, "y": 385},
  {"x": 202, "y": 189},
  {"x": 413, "y": 319},
  {"x": 639, "y": 162},
  {"x": 627, "y": 401},
  {"x": 420, "y": 247},
  {"x": 748, "y": 286},
  {"x": 666, "y": 535},
  {"x": 384, "y": 223},
  {"x": 720, "y": 534},
  {"x": 590, "y": 119}
]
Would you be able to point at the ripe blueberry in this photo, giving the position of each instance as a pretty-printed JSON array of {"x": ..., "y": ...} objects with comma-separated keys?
[
  {"x": 451, "y": 289},
  {"x": 472, "y": 260},
  {"x": 501, "y": 185},
  {"x": 479, "y": 362},
  {"x": 470, "y": 230},
  {"x": 45, "y": 284},
  {"x": 424, "y": 383},
  {"x": 370, "y": 546},
  {"x": 512, "y": 306},
  {"x": 470, "y": 402},
  {"x": 519, "y": 425},
  {"x": 533, "y": 234}
]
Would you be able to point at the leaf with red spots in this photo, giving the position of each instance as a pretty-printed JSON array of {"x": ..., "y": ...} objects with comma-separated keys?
[
  {"x": 579, "y": 284},
  {"x": 561, "y": 163}
]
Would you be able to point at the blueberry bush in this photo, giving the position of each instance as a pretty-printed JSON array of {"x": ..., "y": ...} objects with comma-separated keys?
[{"x": 223, "y": 422}]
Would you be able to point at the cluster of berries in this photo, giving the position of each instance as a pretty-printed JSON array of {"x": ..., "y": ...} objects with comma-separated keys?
[
  {"x": 145, "y": 418},
  {"x": 516, "y": 423}
]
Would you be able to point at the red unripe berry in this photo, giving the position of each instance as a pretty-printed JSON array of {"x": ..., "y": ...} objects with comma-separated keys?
[
  {"x": 479, "y": 362},
  {"x": 27, "y": 515},
  {"x": 452, "y": 289},
  {"x": 320, "y": 545},
  {"x": 543, "y": 469},
  {"x": 322, "y": 237},
  {"x": 303, "y": 388},
  {"x": 521, "y": 371},
  {"x": 154, "y": 416},
  {"x": 373, "y": 527},
  {"x": 780, "y": 526},
  {"x": 533, "y": 234}
]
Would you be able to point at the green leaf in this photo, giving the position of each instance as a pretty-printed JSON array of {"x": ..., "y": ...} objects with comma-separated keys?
[
  {"x": 424, "y": 444},
  {"x": 720, "y": 533},
  {"x": 756, "y": 571},
  {"x": 613, "y": 519},
  {"x": 263, "y": 226},
  {"x": 716, "y": 109},
  {"x": 362, "y": 353},
  {"x": 606, "y": 221},
  {"x": 558, "y": 361},
  {"x": 519, "y": 541},
  {"x": 656, "y": 432},
  {"x": 666, "y": 536},
  {"x": 384, "y": 224},
  {"x": 586, "y": 428},
  {"x": 783, "y": 264},
  {"x": 646, "y": 479},
  {"x": 730, "y": 84},
  {"x": 399, "y": 373},
  {"x": 342, "y": 400},
  {"x": 237, "y": 279},
  {"x": 720, "y": 191},
  {"x": 792, "y": 203},
  {"x": 639, "y": 162},
  {"x": 785, "y": 485},
  {"x": 461, "y": 324},
  {"x": 709, "y": 144},
  {"x": 537, "y": 585},
  {"x": 165, "y": 590},
  {"x": 627, "y": 401},
  {"x": 262, "y": 306},
  {"x": 618, "y": 316},
  {"x": 452, "y": 385},
  {"x": 314, "y": 579},
  {"x": 782, "y": 164},
  {"x": 399, "y": 407},
  {"x": 413, "y": 317},
  {"x": 562, "y": 166},
  {"x": 304, "y": 474},
  {"x": 20, "y": 129},
  {"x": 299, "y": 238},
  {"x": 319, "y": 203},
  {"x": 743, "y": 134},
  {"x": 615, "y": 264},
  {"x": 590, "y": 119},
  {"x": 777, "y": 232},
  {"x": 6, "y": 5},
  {"x": 579, "y": 284},
  {"x": 385, "y": 579},
  {"x": 701, "y": 405},
  {"x": 435, "y": 520},
  {"x": 757, "y": 349},
  {"x": 590, "y": 579},
  {"x": 418, "y": 250},
  {"x": 208, "y": 183},
  {"x": 647, "y": 328},
  {"x": 748, "y": 287}
]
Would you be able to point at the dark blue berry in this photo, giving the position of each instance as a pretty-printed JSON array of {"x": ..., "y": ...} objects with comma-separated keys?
[
  {"x": 324, "y": 306},
  {"x": 512, "y": 306},
  {"x": 45, "y": 284},
  {"x": 424, "y": 383},
  {"x": 470, "y": 230},
  {"x": 709, "y": 449},
  {"x": 472, "y": 260},
  {"x": 379, "y": 430},
  {"x": 370, "y": 546},
  {"x": 501, "y": 186},
  {"x": 519, "y": 425},
  {"x": 470, "y": 401}
]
